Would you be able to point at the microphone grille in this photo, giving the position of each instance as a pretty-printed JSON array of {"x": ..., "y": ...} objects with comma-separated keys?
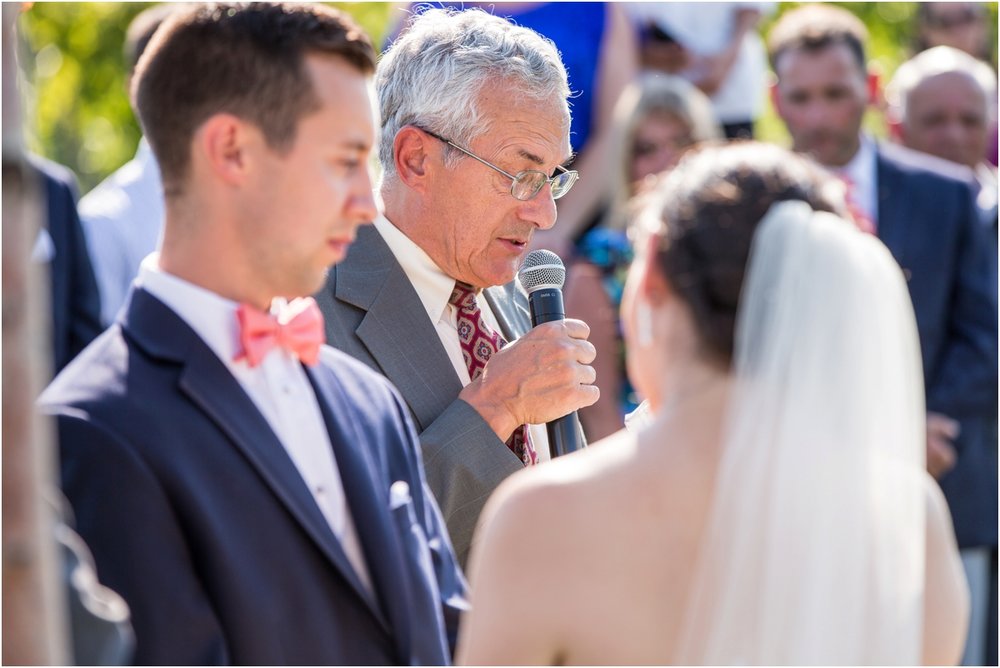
[{"x": 541, "y": 269}]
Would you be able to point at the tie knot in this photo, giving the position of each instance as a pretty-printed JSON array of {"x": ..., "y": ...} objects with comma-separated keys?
[{"x": 463, "y": 296}]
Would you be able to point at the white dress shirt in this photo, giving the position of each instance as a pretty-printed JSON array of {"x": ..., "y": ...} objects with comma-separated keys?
[
  {"x": 434, "y": 289},
  {"x": 862, "y": 170},
  {"x": 122, "y": 220},
  {"x": 280, "y": 389}
]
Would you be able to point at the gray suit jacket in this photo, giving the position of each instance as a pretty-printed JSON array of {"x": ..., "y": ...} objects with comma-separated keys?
[{"x": 373, "y": 313}]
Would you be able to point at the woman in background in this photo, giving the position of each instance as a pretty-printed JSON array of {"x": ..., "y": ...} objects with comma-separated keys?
[{"x": 656, "y": 120}]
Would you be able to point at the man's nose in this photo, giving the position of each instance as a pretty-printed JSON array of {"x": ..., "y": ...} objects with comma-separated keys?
[
  {"x": 818, "y": 114},
  {"x": 540, "y": 209},
  {"x": 362, "y": 203}
]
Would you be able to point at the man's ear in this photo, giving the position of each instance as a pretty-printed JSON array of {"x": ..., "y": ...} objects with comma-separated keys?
[
  {"x": 775, "y": 97},
  {"x": 410, "y": 155},
  {"x": 224, "y": 145}
]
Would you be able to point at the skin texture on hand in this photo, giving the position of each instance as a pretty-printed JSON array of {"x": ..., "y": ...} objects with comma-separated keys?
[
  {"x": 542, "y": 376},
  {"x": 941, "y": 433}
]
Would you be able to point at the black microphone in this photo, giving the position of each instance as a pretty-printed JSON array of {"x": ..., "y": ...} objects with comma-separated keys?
[{"x": 542, "y": 276}]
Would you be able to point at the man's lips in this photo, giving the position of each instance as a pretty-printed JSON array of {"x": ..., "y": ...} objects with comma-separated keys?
[
  {"x": 518, "y": 243},
  {"x": 340, "y": 244}
]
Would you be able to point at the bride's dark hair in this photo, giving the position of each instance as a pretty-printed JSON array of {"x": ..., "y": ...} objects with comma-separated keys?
[{"x": 713, "y": 201}]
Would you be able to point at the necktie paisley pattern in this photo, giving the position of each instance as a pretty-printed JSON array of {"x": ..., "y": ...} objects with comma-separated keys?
[{"x": 479, "y": 342}]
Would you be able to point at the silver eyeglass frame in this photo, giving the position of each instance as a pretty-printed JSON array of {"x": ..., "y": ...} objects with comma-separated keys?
[{"x": 516, "y": 178}]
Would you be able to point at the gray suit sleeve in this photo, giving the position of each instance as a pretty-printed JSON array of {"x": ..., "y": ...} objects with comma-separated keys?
[{"x": 464, "y": 462}]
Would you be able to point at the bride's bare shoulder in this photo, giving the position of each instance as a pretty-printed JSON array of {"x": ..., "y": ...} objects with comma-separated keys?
[
  {"x": 571, "y": 474},
  {"x": 550, "y": 491}
]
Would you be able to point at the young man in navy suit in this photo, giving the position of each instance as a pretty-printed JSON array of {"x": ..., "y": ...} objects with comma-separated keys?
[
  {"x": 255, "y": 497},
  {"x": 924, "y": 211}
]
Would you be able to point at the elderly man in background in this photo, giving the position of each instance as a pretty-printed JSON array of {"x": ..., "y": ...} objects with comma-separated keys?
[
  {"x": 475, "y": 129},
  {"x": 943, "y": 102}
]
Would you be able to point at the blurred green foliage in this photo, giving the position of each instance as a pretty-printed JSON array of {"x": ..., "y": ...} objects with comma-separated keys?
[
  {"x": 76, "y": 104},
  {"x": 78, "y": 112}
]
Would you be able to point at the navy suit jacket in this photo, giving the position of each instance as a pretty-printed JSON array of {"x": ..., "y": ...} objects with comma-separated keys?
[
  {"x": 928, "y": 220},
  {"x": 196, "y": 514},
  {"x": 75, "y": 301}
]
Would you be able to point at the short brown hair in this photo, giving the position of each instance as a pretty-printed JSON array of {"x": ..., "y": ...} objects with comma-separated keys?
[
  {"x": 141, "y": 30},
  {"x": 243, "y": 59},
  {"x": 712, "y": 203},
  {"x": 814, "y": 28}
]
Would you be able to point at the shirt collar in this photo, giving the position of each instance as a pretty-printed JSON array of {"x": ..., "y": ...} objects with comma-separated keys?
[
  {"x": 861, "y": 168},
  {"x": 433, "y": 286},
  {"x": 210, "y": 315}
]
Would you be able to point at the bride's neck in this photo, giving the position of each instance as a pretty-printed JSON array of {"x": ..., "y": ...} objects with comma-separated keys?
[{"x": 687, "y": 382}]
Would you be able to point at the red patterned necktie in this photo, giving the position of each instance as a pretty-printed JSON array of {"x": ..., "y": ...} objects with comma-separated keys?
[
  {"x": 300, "y": 331},
  {"x": 479, "y": 342},
  {"x": 861, "y": 218}
]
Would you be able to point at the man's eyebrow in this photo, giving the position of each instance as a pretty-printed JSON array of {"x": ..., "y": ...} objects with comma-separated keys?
[
  {"x": 528, "y": 155},
  {"x": 354, "y": 144}
]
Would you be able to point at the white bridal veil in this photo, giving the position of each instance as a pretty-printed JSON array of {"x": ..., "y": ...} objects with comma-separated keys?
[{"x": 814, "y": 552}]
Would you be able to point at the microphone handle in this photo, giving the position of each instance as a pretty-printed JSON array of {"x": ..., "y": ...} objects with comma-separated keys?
[{"x": 565, "y": 435}]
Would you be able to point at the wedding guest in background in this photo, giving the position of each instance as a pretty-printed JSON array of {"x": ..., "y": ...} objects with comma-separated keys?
[
  {"x": 960, "y": 25},
  {"x": 941, "y": 102},
  {"x": 925, "y": 212},
  {"x": 714, "y": 45},
  {"x": 781, "y": 474},
  {"x": 475, "y": 131},
  {"x": 75, "y": 303},
  {"x": 963, "y": 26},
  {"x": 656, "y": 120},
  {"x": 123, "y": 216},
  {"x": 255, "y": 497}
]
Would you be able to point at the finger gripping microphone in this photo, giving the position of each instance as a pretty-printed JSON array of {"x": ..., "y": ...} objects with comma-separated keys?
[{"x": 542, "y": 276}]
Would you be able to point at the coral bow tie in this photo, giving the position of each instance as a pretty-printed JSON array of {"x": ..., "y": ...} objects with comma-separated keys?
[{"x": 299, "y": 331}]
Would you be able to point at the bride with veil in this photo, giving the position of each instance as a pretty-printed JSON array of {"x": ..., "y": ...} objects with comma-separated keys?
[{"x": 774, "y": 508}]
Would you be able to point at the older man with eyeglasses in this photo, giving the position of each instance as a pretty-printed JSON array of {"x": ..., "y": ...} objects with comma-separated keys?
[{"x": 475, "y": 130}]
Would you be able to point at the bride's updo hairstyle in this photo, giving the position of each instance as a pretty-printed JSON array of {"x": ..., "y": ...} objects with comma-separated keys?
[{"x": 709, "y": 208}]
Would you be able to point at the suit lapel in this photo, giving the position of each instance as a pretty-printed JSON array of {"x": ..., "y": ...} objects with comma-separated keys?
[
  {"x": 509, "y": 304},
  {"x": 893, "y": 212},
  {"x": 396, "y": 330},
  {"x": 211, "y": 387},
  {"x": 368, "y": 502}
]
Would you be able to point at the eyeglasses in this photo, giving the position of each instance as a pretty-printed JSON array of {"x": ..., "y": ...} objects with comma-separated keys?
[{"x": 524, "y": 185}]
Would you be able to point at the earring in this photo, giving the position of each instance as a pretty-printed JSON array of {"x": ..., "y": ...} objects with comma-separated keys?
[{"x": 643, "y": 323}]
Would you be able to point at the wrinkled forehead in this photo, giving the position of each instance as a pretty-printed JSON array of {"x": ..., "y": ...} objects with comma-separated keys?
[
  {"x": 949, "y": 87},
  {"x": 501, "y": 105}
]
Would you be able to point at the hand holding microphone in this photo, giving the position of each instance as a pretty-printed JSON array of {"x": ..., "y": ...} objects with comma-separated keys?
[
  {"x": 542, "y": 276},
  {"x": 545, "y": 375}
]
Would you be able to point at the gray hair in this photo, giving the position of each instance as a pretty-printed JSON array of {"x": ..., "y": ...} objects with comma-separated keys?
[
  {"x": 432, "y": 74},
  {"x": 931, "y": 63}
]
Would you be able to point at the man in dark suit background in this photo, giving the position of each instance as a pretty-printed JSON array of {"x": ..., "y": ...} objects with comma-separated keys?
[
  {"x": 475, "y": 127},
  {"x": 255, "y": 497},
  {"x": 941, "y": 102},
  {"x": 924, "y": 211},
  {"x": 75, "y": 305}
]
